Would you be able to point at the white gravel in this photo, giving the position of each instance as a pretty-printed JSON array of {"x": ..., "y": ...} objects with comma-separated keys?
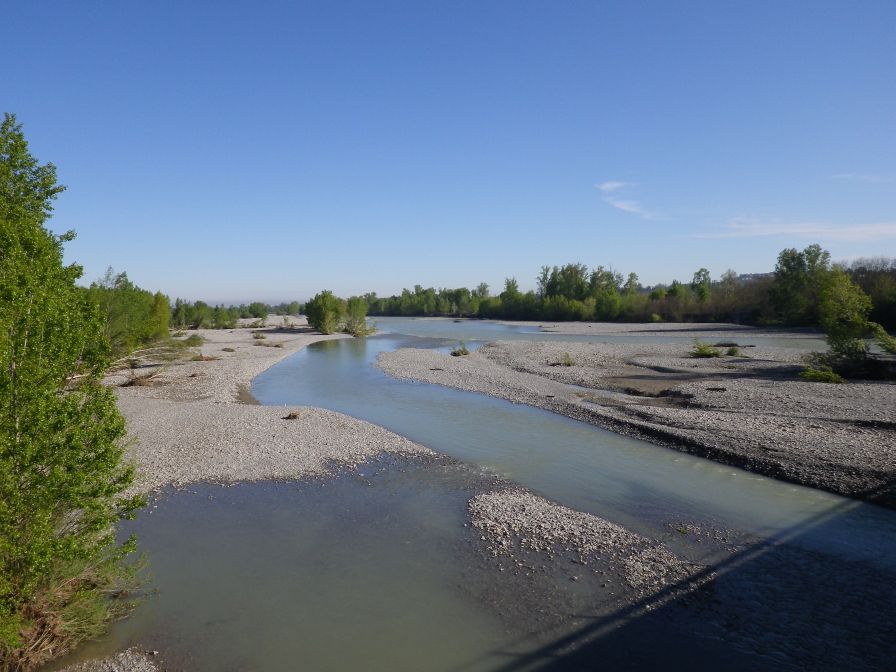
[
  {"x": 130, "y": 660},
  {"x": 748, "y": 411},
  {"x": 190, "y": 426},
  {"x": 518, "y": 516}
]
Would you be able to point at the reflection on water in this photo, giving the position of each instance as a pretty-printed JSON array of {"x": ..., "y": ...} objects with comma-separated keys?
[{"x": 629, "y": 481}]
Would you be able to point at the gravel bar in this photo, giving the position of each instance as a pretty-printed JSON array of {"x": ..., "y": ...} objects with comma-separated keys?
[
  {"x": 748, "y": 411},
  {"x": 190, "y": 425},
  {"x": 514, "y": 517}
]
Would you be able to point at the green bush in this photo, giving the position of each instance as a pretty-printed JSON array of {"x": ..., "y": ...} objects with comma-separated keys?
[
  {"x": 822, "y": 374},
  {"x": 356, "y": 317},
  {"x": 460, "y": 350},
  {"x": 703, "y": 350},
  {"x": 326, "y": 312},
  {"x": 886, "y": 342},
  {"x": 733, "y": 351}
]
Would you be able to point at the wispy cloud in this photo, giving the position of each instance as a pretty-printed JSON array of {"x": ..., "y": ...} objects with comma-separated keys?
[
  {"x": 610, "y": 197},
  {"x": 611, "y": 186},
  {"x": 753, "y": 228},
  {"x": 868, "y": 178}
]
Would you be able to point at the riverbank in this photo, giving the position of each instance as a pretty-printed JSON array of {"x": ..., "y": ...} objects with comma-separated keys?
[
  {"x": 749, "y": 410},
  {"x": 192, "y": 420}
]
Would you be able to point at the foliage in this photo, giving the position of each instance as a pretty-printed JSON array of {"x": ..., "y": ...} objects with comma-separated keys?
[
  {"x": 565, "y": 360},
  {"x": 733, "y": 351},
  {"x": 704, "y": 350},
  {"x": 821, "y": 374},
  {"x": 886, "y": 342},
  {"x": 789, "y": 296},
  {"x": 843, "y": 314},
  {"x": 356, "y": 317},
  {"x": 799, "y": 280},
  {"x": 133, "y": 316},
  {"x": 62, "y": 482},
  {"x": 326, "y": 312},
  {"x": 460, "y": 350}
]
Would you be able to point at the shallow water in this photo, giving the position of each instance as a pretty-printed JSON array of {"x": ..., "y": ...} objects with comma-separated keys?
[
  {"x": 632, "y": 482},
  {"x": 376, "y": 569},
  {"x": 487, "y": 330},
  {"x": 373, "y": 570}
]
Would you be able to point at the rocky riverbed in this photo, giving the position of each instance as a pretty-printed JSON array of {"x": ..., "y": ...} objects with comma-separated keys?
[
  {"x": 192, "y": 420},
  {"x": 749, "y": 410}
]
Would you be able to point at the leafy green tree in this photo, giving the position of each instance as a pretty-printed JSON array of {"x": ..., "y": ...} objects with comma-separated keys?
[
  {"x": 799, "y": 281},
  {"x": 61, "y": 474},
  {"x": 843, "y": 313},
  {"x": 326, "y": 312},
  {"x": 133, "y": 316},
  {"x": 356, "y": 316},
  {"x": 27, "y": 189},
  {"x": 701, "y": 285}
]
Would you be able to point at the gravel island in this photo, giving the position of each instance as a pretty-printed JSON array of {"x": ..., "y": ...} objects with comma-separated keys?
[{"x": 748, "y": 410}]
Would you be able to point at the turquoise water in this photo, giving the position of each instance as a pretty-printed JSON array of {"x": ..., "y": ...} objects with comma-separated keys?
[
  {"x": 632, "y": 482},
  {"x": 487, "y": 330},
  {"x": 378, "y": 568}
]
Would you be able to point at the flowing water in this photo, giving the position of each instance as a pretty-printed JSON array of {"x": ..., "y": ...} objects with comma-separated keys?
[
  {"x": 377, "y": 570},
  {"x": 632, "y": 482}
]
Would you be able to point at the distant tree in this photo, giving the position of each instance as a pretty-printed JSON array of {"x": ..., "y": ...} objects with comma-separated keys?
[
  {"x": 355, "y": 316},
  {"x": 701, "y": 284},
  {"x": 326, "y": 312},
  {"x": 843, "y": 313},
  {"x": 799, "y": 280},
  {"x": 544, "y": 277},
  {"x": 133, "y": 316},
  {"x": 61, "y": 475}
]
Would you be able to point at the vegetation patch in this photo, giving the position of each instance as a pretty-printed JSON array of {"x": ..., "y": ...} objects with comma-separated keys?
[
  {"x": 292, "y": 415},
  {"x": 204, "y": 358},
  {"x": 191, "y": 341},
  {"x": 227, "y": 350},
  {"x": 63, "y": 574},
  {"x": 823, "y": 374},
  {"x": 703, "y": 350},
  {"x": 145, "y": 380},
  {"x": 460, "y": 350},
  {"x": 565, "y": 360}
]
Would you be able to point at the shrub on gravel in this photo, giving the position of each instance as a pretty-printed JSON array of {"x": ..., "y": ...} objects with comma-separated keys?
[{"x": 703, "y": 350}]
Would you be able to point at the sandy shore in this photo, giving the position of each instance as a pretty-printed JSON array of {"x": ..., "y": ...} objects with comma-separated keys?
[{"x": 749, "y": 411}]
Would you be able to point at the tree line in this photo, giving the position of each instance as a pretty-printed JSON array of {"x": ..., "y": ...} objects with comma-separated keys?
[
  {"x": 135, "y": 317},
  {"x": 789, "y": 296},
  {"x": 200, "y": 315}
]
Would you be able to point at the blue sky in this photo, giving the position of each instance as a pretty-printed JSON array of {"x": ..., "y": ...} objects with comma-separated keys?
[{"x": 231, "y": 151}]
